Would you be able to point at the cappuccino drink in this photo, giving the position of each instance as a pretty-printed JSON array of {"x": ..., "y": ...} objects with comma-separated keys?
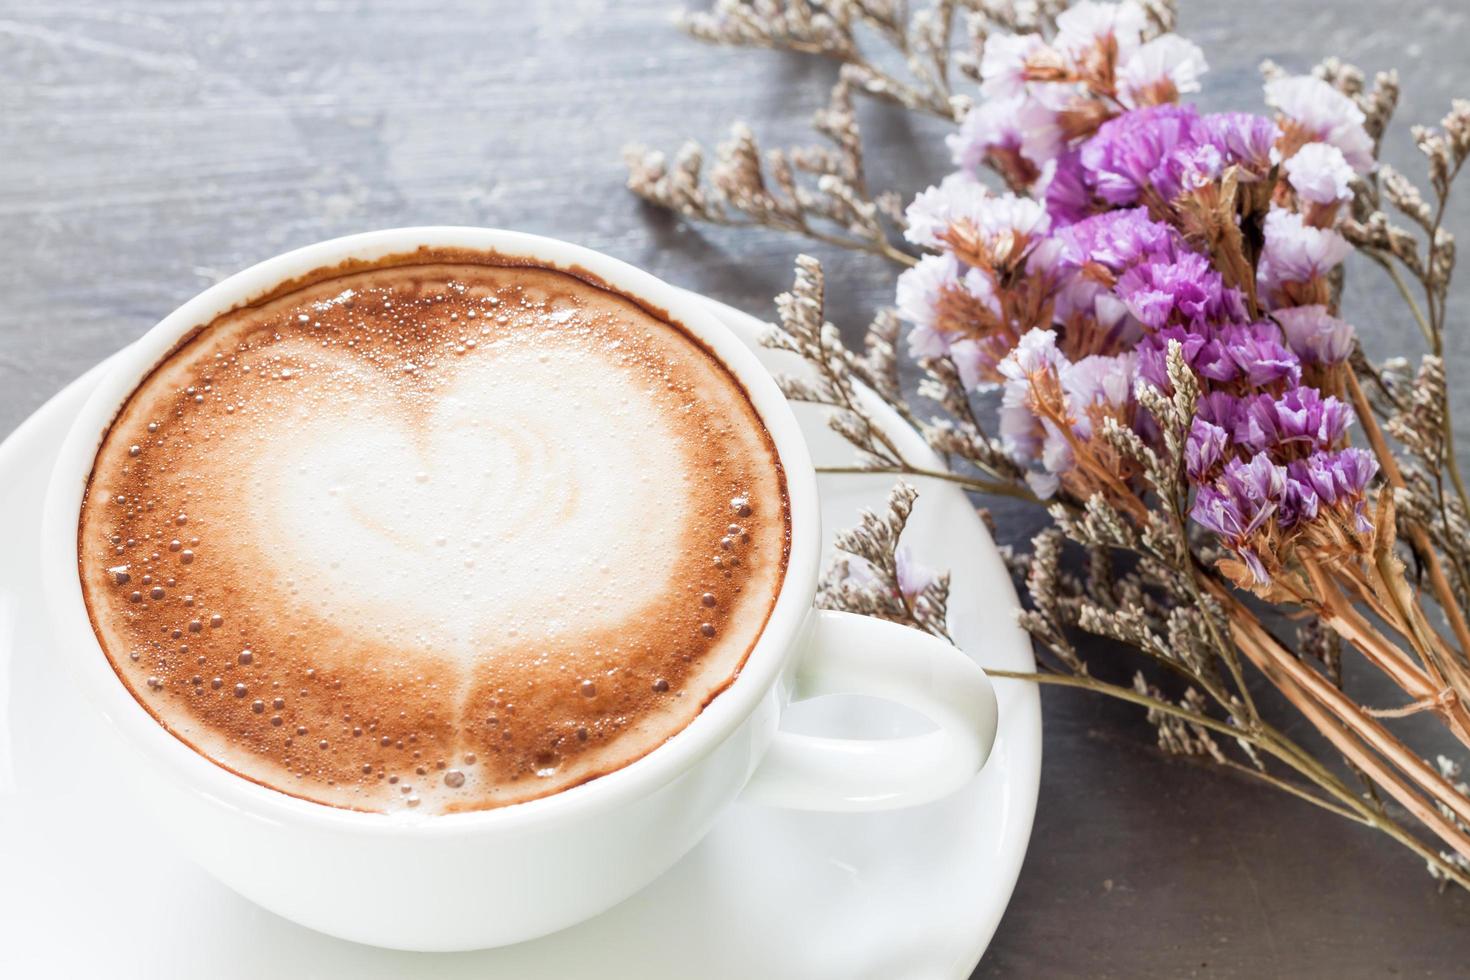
[{"x": 441, "y": 532}]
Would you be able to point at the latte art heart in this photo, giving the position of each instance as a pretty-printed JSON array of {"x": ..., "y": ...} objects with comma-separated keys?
[
  {"x": 433, "y": 536},
  {"x": 496, "y": 509}
]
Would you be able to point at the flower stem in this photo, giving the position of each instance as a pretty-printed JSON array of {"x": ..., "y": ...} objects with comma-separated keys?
[
  {"x": 1089, "y": 683},
  {"x": 1443, "y": 594},
  {"x": 877, "y": 246},
  {"x": 1430, "y": 645},
  {"x": 1403, "y": 288},
  {"x": 1298, "y": 792},
  {"x": 1361, "y": 738},
  {"x": 976, "y": 484},
  {"x": 1349, "y": 805}
]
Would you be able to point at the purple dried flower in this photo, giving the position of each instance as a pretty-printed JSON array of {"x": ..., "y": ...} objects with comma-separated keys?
[
  {"x": 1204, "y": 449},
  {"x": 1172, "y": 149},
  {"x": 1217, "y": 512},
  {"x": 1299, "y": 416},
  {"x": 1339, "y": 479},
  {"x": 1239, "y": 503},
  {"x": 1153, "y": 350},
  {"x": 1315, "y": 336},
  {"x": 1068, "y": 198},
  {"x": 1221, "y": 408},
  {"x": 1299, "y": 503},
  {"x": 1118, "y": 240},
  {"x": 1207, "y": 355},
  {"x": 1226, "y": 354},
  {"x": 1353, "y": 469},
  {"x": 1189, "y": 168},
  {"x": 1257, "y": 482},
  {"x": 1245, "y": 138},
  {"x": 1258, "y": 354},
  {"x": 1128, "y": 153},
  {"x": 1186, "y": 290},
  {"x": 1256, "y": 485},
  {"x": 1323, "y": 420},
  {"x": 1315, "y": 472}
]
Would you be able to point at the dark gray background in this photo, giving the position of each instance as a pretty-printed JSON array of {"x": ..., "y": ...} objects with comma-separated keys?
[{"x": 148, "y": 149}]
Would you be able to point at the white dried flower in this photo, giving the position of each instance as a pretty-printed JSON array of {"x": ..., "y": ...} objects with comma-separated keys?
[
  {"x": 933, "y": 210},
  {"x": 1161, "y": 70},
  {"x": 1314, "y": 335},
  {"x": 1084, "y": 24},
  {"x": 1297, "y": 252},
  {"x": 931, "y": 296},
  {"x": 1003, "y": 64},
  {"x": 995, "y": 128},
  {"x": 1021, "y": 432},
  {"x": 1319, "y": 173},
  {"x": 1325, "y": 115}
]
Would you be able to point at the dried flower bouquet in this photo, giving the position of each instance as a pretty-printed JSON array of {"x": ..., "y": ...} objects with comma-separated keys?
[{"x": 1145, "y": 300}]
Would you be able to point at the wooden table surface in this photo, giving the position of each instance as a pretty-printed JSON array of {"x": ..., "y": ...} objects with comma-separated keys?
[{"x": 149, "y": 148}]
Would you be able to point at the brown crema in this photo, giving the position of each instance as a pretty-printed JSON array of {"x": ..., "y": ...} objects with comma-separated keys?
[{"x": 440, "y": 532}]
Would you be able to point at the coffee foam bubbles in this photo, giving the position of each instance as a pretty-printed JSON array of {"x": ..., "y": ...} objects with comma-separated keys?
[{"x": 446, "y": 536}]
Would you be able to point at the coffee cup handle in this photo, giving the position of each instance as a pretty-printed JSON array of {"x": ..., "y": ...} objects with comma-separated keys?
[{"x": 852, "y": 654}]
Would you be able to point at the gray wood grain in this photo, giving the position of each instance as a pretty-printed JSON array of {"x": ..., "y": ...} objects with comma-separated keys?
[{"x": 149, "y": 148}]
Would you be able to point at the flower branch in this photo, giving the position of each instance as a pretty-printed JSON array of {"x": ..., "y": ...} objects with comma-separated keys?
[
  {"x": 836, "y": 29},
  {"x": 818, "y": 191}
]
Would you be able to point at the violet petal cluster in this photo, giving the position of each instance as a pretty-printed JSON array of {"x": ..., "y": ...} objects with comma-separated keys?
[
  {"x": 1157, "y": 153},
  {"x": 1114, "y": 262}
]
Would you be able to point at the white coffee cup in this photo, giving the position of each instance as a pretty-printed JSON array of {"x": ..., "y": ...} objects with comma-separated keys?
[{"x": 490, "y": 878}]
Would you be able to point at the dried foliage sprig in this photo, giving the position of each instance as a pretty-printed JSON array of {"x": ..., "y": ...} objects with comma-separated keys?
[
  {"x": 874, "y": 575},
  {"x": 804, "y": 331},
  {"x": 834, "y": 29},
  {"x": 1155, "y": 299},
  {"x": 819, "y": 191}
]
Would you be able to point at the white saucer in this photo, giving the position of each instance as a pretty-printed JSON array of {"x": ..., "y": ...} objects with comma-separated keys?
[{"x": 89, "y": 888}]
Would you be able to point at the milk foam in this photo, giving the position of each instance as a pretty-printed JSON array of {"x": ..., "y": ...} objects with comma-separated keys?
[
  {"x": 519, "y": 500},
  {"x": 433, "y": 536}
]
